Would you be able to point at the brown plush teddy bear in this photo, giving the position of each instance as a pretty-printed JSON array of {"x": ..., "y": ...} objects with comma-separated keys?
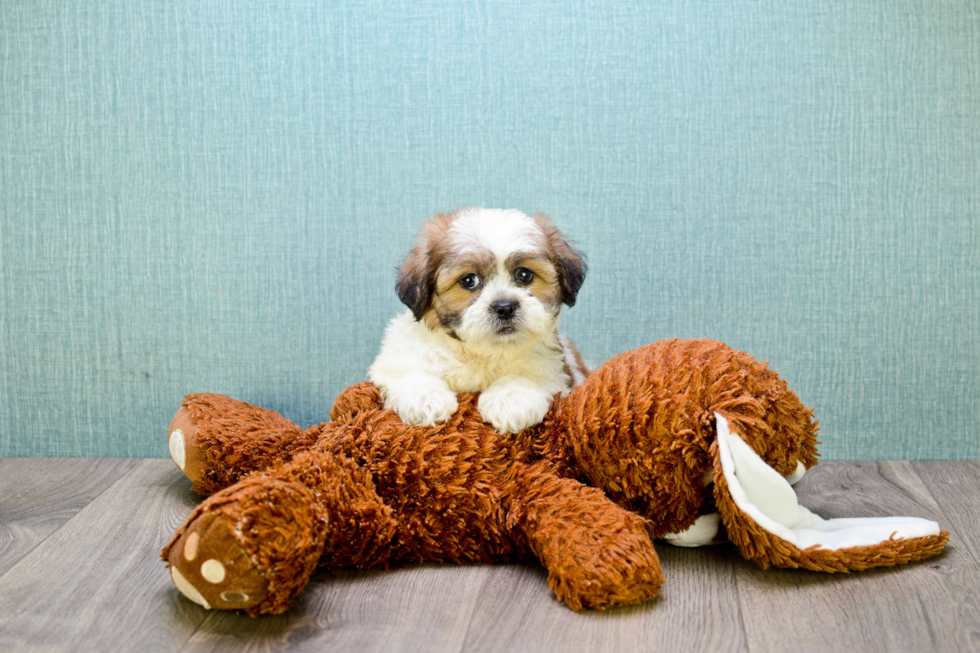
[{"x": 674, "y": 440}]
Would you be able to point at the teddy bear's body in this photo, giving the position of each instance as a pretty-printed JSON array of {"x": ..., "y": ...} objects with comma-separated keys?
[{"x": 629, "y": 454}]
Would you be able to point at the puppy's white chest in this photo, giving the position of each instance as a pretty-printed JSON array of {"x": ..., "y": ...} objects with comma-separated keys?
[{"x": 475, "y": 375}]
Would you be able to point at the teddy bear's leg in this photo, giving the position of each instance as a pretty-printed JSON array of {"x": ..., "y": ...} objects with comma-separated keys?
[
  {"x": 706, "y": 529},
  {"x": 597, "y": 554},
  {"x": 216, "y": 440},
  {"x": 253, "y": 546}
]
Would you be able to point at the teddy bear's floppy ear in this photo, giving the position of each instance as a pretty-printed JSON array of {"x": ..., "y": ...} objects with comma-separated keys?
[
  {"x": 768, "y": 525},
  {"x": 569, "y": 262}
]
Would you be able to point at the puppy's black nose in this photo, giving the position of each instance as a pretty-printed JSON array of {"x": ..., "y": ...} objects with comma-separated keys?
[{"x": 504, "y": 309}]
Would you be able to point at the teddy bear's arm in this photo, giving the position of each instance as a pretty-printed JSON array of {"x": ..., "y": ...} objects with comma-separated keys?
[{"x": 597, "y": 554}]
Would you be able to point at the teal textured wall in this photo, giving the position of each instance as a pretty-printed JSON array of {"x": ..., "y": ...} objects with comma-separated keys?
[{"x": 213, "y": 196}]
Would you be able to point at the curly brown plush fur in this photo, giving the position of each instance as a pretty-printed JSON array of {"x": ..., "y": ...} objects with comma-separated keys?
[{"x": 622, "y": 457}]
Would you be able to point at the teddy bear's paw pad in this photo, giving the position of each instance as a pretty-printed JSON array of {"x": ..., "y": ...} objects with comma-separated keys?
[
  {"x": 209, "y": 567},
  {"x": 704, "y": 531},
  {"x": 183, "y": 445}
]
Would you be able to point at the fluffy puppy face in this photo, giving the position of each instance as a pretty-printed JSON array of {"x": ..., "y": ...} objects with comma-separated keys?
[{"x": 490, "y": 278}]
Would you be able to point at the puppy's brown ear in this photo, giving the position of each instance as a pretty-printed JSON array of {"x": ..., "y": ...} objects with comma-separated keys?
[
  {"x": 414, "y": 283},
  {"x": 569, "y": 262},
  {"x": 417, "y": 274}
]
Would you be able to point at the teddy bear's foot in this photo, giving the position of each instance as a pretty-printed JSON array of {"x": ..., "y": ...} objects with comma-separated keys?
[
  {"x": 185, "y": 449},
  {"x": 797, "y": 475},
  {"x": 706, "y": 529},
  {"x": 210, "y": 567},
  {"x": 216, "y": 440},
  {"x": 249, "y": 547}
]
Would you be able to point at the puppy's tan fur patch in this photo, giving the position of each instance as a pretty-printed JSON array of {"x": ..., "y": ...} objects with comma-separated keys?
[
  {"x": 416, "y": 275},
  {"x": 544, "y": 286},
  {"x": 449, "y": 298},
  {"x": 569, "y": 262}
]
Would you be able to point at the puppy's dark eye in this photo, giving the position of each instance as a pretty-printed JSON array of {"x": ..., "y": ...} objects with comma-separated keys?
[
  {"x": 523, "y": 276},
  {"x": 470, "y": 281}
]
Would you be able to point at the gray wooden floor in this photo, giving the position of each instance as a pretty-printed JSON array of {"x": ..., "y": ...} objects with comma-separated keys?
[{"x": 79, "y": 571}]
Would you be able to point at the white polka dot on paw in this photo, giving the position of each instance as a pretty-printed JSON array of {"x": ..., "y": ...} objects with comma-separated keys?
[
  {"x": 213, "y": 571},
  {"x": 190, "y": 546}
]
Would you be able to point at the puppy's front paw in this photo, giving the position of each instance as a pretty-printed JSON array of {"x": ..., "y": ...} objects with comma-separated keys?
[
  {"x": 512, "y": 407},
  {"x": 423, "y": 403}
]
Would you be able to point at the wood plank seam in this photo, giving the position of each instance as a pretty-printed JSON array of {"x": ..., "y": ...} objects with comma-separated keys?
[{"x": 133, "y": 466}]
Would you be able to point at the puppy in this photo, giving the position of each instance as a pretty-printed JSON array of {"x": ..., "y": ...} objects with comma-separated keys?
[{"x": 484, "y": 289}]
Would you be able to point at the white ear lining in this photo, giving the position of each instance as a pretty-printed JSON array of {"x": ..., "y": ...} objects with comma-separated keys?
[{"x": 765, "y": 496}]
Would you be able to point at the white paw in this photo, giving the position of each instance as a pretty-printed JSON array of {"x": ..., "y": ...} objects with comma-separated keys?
[
  {"x": 703, "y": 531},
  {"x": 513, "y": 407},
  {"x": 423, "y": 403}
]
